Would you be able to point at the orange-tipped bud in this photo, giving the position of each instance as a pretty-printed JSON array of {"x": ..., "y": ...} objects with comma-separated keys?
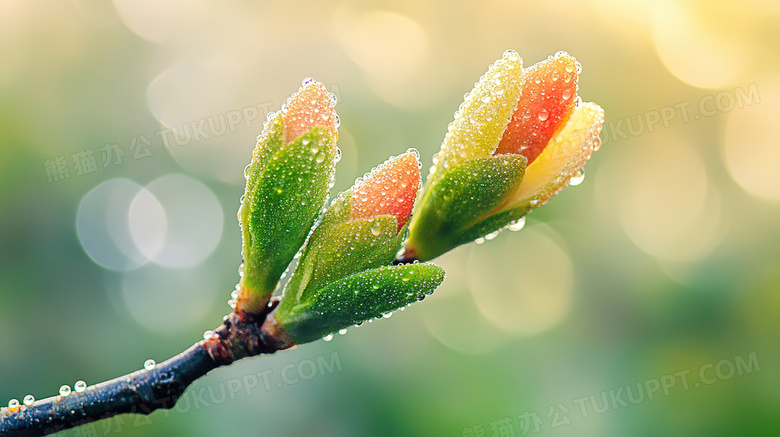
[
  {"x": 388, "y": 190},
  {"x": 312, "y": 106}
]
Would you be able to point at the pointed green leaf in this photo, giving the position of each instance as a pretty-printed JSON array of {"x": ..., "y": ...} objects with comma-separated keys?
[
  {"x": 285, "y": 192},
  {"x": 357, "y": 298},
  {"x": 337, "y": 249},
  {"x": 465, "y": 196}
]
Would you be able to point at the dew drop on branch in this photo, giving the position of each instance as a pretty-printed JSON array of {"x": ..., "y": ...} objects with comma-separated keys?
[
  {"x": 80, "y": 386},
  {"x": 150, "y": 364},
  {"x": 13, "y": 404},
  {"x": 65, "y": 390},
  {"x": 29, "y": 400}
]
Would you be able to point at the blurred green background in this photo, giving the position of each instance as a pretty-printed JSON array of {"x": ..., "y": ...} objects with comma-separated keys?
[{"x": 642, "y": 302}]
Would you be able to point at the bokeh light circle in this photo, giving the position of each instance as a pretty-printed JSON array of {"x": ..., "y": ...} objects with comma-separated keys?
[
  {"x": 522, "y": 282},
  {"x": 176, "y": 221},
  {"x": 751, "y": 150},
  {"x": 450, "y": 314},
  {"x": 102, "y": 225},
  {"x": 665, "y": 200},
  {"x": 694, "y": 49}
]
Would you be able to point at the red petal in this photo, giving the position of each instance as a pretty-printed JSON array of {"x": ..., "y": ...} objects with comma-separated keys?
[
  {"x": 548, "y": 98},
  {"x": 388, "y": 189},
  {"x": 311, "y": 106}
]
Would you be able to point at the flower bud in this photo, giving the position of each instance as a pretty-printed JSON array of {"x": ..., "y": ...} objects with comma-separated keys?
[
  {"x": 517, "y": 139},
  {"x": 287, "y": 184},
  {"x": 363, "y": 228},
  {"x": 343, "y": 276}
]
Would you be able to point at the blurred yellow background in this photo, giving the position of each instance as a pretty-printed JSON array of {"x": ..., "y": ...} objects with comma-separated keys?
[{"x": 642, "y": 302}]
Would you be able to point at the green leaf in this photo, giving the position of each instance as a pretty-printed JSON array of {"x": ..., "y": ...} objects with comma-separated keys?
[
  {"x": 467, "y": 195},
  {"x": 285, "y": 193},
  {"x": 340, "y": 247},
  {"x": 357, "y": 298}
]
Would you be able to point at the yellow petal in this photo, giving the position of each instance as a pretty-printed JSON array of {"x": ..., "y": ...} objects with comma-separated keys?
[
  {"x": 562, "y": 158},
  {"x": 483, "y": 116}
]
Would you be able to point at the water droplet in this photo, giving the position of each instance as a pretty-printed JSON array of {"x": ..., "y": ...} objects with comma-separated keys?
[
  {"x": 320, "y": 157},
  {"x": 80, "y": 386},
  {"x": 343, "y": 331},
  {"x": 387, "y": 315},
  {"x": 543, "y": 114},
  {"x": 517, "y": 225},
  {"x": 328, "y": 337},
  {"x": 13, "y": 405},
  {"x": 376, "y": 228},
  {"x": 247, "y": 170},
  {"x": 491, "y": 235},
  {"x": 560, "y": 53},
  {"x": 234, "y": 294},
  {"x": 241, "y": 269},
  {"x": 65, "y": 390},
  {"x": 150, "y": 364},
  {"x": 232, "y": 303},
  {"x": 577, "y": 178},
  {"x": 338, "y": 121},
  {"x": 338, "y": 154},
  {"x": 208, "y": 334},
  {"x": 307, "y": 81},
  {"x": 566, "y": 94},
  {"x": 479, "y": 240},
  {"x": 29, "y": 400},
  {"x": 375, "y": 286}
]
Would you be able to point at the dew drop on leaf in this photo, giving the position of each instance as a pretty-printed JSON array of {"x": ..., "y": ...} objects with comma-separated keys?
[
  {"x": 517, "y": 225},
  {"x": 577, "y": 178}
]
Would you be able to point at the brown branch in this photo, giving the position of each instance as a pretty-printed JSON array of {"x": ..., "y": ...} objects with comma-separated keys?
[{"x": 142, "y": 392}]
